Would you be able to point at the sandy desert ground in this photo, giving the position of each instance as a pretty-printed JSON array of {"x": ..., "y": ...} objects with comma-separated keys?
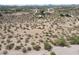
[{"x": 31, "y": 34}]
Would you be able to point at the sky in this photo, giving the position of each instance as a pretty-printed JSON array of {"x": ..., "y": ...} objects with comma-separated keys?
[{"x": 37, "y": 2}]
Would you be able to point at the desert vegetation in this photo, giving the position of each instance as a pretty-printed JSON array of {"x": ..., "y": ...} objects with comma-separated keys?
[{"x": 38, "y": 29}]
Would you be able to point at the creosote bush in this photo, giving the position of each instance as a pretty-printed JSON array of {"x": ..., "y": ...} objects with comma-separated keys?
[
  {"x": 26, "y": 40},
  {"x": 67, "y": 15},
  {"x": 33, "y": 43},
  {"x": 5, "y": 52},
  {"x": 1, "y": 14},
  {"x": 10, "y": 46},
  {"x": 17, "y": 47},
  {"x": 61, "y": 15},
  {"x": 47, "y": 46},
  {"x": 41, "y": 41},
  {"x": 8, "y": 41},
  {"x": 10, "y": 36},
  {"x": 24, "y": 50},
  {"x": 74, "y": 40},
  {"x": 29, "y": 48},
  {"x": 36, "y": 47},
  {"x": 61, "y": 42},
  {"x": 0, "y": 46},
  {"x": 52, "y": 53},
  {"x": 18, "y": 41}
]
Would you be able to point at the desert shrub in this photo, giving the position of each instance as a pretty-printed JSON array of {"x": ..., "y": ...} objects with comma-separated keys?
[
  {"x": 26, "y": 40},
  {"x": 36, "y": 36},
  {"x": 21, "y": 38},
  {"x": 17, "y": 47},
  {"x": 36, "y": 47},
  {"x": 61, "y": 15},
  {"x": 47, "y": 46},
  {"x": 3, "y": 37},
  {"x": 2, "y": 41},
  {"x": 18, "y": 41},
  {"x": 25, "y": 44},
  {"x": 52, "y": 53},
  {"x": 61, "y": 42},
  {"x": 67, "y": 15},
  {"x": 42, "y": 12},
  {"x": 52, "y": 42},
  {"x": 8, "y": 30},
  {"x": 29, "y": 35},
  {"x": 10, "y": 36},
  {"x": 5, "y": 52},
  {"x": 5, "y": 43},
  {"x": 0, "y": 46},
  {"x": 24, "y": 50},
  {"x": 0, "y": 26},
  {"x": 29, "y": 48},
  {"x": 33, "y": 43},
  {"x": 1, "y": 14},
  {"x": 74, "y": 40},
  {"x": 41, "y": 41},
  {"x": 8, "y": 41},
  {"x": 18, "y": 10},
  {"x": 10, "y": 46}
]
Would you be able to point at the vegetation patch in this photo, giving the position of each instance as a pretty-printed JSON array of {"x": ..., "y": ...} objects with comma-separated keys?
[
  {"x": 52, "y": 53},
  {"x": 33, "y": 43},
  {"x": 29, "y": 49},
  {"x": 24, "y": 50},
  {"x": 17, "y": 47},
  {"x": 74, "y": 40},
  {"x": 5, "y": 52},
  {"x": 61, "y": 42},
  {"x": 36, "y": 47},
  {"x": 10, "y": 46},
  {"x": 47, "y": 46}
]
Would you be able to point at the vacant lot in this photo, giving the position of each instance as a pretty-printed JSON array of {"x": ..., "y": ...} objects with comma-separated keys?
[{"x": 50, "y": 31}]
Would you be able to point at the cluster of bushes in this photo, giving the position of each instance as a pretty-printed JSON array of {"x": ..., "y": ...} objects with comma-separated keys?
[
  {"x": 47, "y": 46},
  {"x": 65, "y": 15},
  {"x": 74, "y": 40},
  {"x": 60, "y": 42}
]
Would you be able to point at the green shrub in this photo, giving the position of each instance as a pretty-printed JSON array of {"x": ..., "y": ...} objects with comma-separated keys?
[
  {"x": 67, "y": 15},
  {"x": 33, "y": 43},
  {"x": 47, "y": 46},
  {"x": 61, "y": 42},
  {"x": 74, "y": 40},
  {"x": 52, "y": 53},
  {"x": 61, "y": 15},
  {"x": 42, "y": 12}
]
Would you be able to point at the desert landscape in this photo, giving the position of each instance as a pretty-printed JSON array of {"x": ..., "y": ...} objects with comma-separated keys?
[{"x": 39, "y": 31}]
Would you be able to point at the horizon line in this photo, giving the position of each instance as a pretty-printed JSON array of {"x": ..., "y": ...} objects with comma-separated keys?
[{"x": 37, "y": 4}]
